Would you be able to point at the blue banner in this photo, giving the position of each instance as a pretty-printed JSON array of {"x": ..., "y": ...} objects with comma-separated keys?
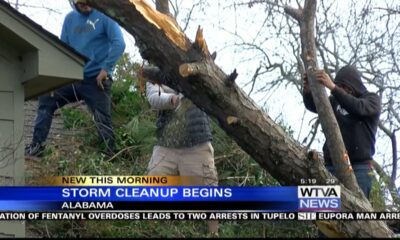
[
  {"x": 311, "y": 198},
  {"x": 253, "y": 194}
]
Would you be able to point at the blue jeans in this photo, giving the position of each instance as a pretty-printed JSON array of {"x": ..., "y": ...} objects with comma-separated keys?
[
  {"x": 98, "y": 101},
  {"x": 361, "y": 171}
]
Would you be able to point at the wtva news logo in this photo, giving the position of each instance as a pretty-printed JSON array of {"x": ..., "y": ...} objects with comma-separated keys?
[{"x": 319, "y": 198}]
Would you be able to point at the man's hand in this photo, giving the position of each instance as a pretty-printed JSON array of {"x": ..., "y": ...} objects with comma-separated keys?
[
  {"x": 324, "y": 79},
  {"x": 175, "y": 100},
  {"x": 101, "y": 77}
]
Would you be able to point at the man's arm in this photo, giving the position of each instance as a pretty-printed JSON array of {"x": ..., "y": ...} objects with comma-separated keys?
[
  {"x": 367, "y": 105},
  {"x": 117, "y": 44},
  {"x": 159, "y": 99},
  {"x": 116, "y": 49},
  {"x": 64, "y": 31}
]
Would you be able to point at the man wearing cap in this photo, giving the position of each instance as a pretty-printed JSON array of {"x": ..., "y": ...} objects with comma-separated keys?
[
  {"x": 357, "y": 112},
  {"x": 100, "y": 39}
]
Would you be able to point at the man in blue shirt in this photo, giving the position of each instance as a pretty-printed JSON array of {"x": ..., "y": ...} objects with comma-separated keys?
[{"x": 100, "y": 39}]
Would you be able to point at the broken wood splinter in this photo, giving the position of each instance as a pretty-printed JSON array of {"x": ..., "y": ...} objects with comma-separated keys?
[
  {"x": 201, "y": 42},
  {"x": 232, "y": 77},
  {"x": 163, "y": 22},
  {"x": 213, "y": 56}
]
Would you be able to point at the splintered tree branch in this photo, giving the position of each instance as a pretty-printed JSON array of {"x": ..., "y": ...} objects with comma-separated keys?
[
  {"x": 237, "y": 114},
  {"x": 201, "y": 42},
  {"x": 162, "y": 21}
]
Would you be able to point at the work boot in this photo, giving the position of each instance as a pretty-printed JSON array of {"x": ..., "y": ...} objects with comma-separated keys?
[{"x": 34, "y": 150}]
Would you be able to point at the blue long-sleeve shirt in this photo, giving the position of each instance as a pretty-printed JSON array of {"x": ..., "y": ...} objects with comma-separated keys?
[{"x": 95, "y": 36}]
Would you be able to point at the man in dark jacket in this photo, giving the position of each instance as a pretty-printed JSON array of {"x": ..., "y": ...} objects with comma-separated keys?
[{"x": 357, "y": 113}]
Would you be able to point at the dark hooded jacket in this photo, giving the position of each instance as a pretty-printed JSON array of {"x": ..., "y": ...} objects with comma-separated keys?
[{"x": 357, "y": 115}]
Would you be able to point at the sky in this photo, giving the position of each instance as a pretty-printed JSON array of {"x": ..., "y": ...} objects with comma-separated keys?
[{"x": 222, "y": 21}]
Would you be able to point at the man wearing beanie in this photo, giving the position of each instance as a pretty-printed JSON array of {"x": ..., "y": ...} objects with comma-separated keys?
[{"x": 357, "y": 113}]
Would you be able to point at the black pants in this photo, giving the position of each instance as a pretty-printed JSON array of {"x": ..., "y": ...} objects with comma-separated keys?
[{"x": 98, "y": 101}]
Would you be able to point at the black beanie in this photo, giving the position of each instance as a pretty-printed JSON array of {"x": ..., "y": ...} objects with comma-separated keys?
[{"x": 351, "y": 77}]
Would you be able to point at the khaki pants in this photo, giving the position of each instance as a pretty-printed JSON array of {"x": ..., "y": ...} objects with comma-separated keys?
[{"x": 195, "y": 161}]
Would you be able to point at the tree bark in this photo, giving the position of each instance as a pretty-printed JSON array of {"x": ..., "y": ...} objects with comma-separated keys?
[
  {"x": 394, "y": 158},
  {"x": 217, "y": 94}
]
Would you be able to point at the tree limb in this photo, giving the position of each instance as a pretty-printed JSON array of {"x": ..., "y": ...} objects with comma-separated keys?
[
  {"x": 393, "y": 139},
  {"x": 386, "y": 179},
  {"x": 297, "y": 14}
]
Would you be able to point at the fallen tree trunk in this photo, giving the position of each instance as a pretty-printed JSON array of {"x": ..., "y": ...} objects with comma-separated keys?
[{"x": 192, "y": 71}]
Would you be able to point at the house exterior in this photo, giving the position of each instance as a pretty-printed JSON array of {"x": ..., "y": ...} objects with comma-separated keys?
[{"x": 32, "y": 62}]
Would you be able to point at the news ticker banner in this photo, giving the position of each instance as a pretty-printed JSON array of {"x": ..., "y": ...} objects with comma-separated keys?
[
  {"x": 199, "y": 215},
  {"x": 156, "y": 193}
]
